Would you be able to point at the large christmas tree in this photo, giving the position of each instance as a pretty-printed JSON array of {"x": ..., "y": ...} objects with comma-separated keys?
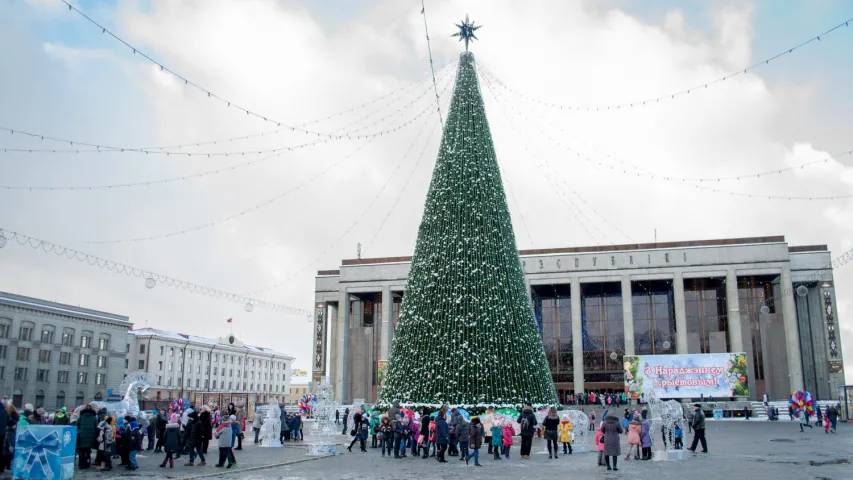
[{"x": 467, "y": 333}]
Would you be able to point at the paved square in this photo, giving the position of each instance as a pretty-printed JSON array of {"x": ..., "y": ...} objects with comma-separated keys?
[{"x": 738, "y": 450}]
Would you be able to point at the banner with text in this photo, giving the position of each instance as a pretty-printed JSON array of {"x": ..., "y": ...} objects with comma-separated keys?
[{"x": 688, "y": 375}]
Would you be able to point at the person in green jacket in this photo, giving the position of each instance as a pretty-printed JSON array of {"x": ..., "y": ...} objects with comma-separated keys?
[
  {"x": 497, "y": 438},
  {"x": 374, "y": 429},
  {"x": 61, "y": 417}
]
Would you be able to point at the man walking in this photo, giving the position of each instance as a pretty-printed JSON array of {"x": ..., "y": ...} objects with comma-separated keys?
[{"x": 698, "y": 429}]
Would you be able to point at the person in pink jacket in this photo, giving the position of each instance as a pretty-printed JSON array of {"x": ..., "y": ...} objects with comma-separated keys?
[
  {"x": 599, "y": 442},
  {"x": 507, "y": 432},
  {"x": 634, "y": 439}
]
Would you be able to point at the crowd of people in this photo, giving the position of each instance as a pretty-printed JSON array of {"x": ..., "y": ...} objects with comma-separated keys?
[
  {"x": 595, "y": 398},
  {"x": 174, "y": 433}
]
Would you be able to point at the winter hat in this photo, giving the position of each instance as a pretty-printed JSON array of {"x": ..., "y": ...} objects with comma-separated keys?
[
  {"x": 173, "y": 418},
  {"x": 63, "y": 410},
  {"x": 565, "y": 418},
  {"x": 233, "y": 418},
  {"x": 29, "y": 407}
]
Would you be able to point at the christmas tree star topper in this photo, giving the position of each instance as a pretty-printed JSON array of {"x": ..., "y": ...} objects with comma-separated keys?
[{"x": 466, "y": 31}]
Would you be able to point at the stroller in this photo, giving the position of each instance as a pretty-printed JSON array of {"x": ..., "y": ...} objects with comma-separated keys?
[{"x": 772, "y": 414}]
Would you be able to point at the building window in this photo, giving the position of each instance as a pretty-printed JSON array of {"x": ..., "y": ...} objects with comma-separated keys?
[
  {"x": 62, "y": 376},
  {"x": 39, "y": 398},
  {"x": 169, "y": 382},
  {"x": 126, "y": 363},
  {"x": 232, "y": 359},
  {"x": 20, "y": 373},
  {"x": 80, "y": 398},
  {"x": 251, "y": 386},
  {"x": 102, "y": 362},
  {"x": 171, "y": 351},
  {"x": 47, "y": 332},
  {"x": 67, "y": 337},
  {"x": 84, "y": 360},
  {"x": 86, "y": 340},
  {"x": 26, "y": 331},
  {"x": 142, "y": 364},
  {"x": 181, "y": 367},
  {"x": 753, "y": 293},
  {"x": 60, "y": 399},
  {"x": 180, "y": 353},
  {"x": 141, "y": 348},
  {"x": 159, "y": 380},
  {"x": 104, "y": 342},
  {"x": 42, "y": 376},
  {"x": 5, "y": 326},
  {"x": 706, "y": 312},
  {"x": 217, "y": 357},
  {"x": 230, "y": 372},
  {"x": 654, "y": 317},
  {"x": 160, "y": 366},
  {"x": 162, "y": 349},
  {"x": 23, "y": 354},
  {"x": 207, "y": 370},
  {"x": 238, "y": 360},
  {"x": 100, "y": 379},
  {"x": 170, "y": 366},
  {"x": 65, "y": 358},
  {"x": 601, "y": 310},
  {"x": 208, "y": 356},
  {"x": 44, "y": 356},
  {"x": 82, "y": 378},
  {"x": 198, "y": 369},
  {"x": 229, "y": 385},
  {"x": 206, "y": 384},
  {"x": 2, "y": 352},
  {"x": 253, "y": 362}
]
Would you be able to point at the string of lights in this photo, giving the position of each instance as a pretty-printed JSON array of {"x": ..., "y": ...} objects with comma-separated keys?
[
  {"x": 97, "y": 148},
  {"x": 165, "y": 180},
  {"x": 693, "y": 183},
  {"x": 514, "y": 201},
  {"x": 152, "y": 279},
  {"x": 393, "y": 96},
  {"x": 397, "y": 200},
  {"x": 153, "y": 182},
  {"x": 239, "y": 214},
  {"x": 354, "y": 223},
  {"x": 677, "y": 94},
  {"x": 269, "y": 201},
  {"x": 210, "y": 94},
  {"x": 563, "y": 196},
  {"x": 646, "y": 173},
  {"x": 431, "y": 65}
]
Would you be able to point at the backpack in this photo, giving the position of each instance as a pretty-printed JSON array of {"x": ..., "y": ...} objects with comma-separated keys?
[{"x": 525, "y": 424}]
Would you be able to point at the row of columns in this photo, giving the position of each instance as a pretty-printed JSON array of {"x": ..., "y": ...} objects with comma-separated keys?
[{"x": 340, "y": 328}]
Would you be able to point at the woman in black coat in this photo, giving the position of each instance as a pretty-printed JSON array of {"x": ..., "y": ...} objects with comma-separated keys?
[
  {"x": 207, "y": 426},
  {"x": 196, "y": 439}
]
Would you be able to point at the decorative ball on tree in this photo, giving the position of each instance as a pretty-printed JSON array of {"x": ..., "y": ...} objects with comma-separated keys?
[{"x": 467, "y": 333}]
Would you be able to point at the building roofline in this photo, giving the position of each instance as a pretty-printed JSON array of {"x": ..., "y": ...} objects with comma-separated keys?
[
  {"x": 62, "y": 309},
  {"x": 594, "y": 249},
  {"x": 209, "y": 342},
  {"x": 808, "y": 248}
]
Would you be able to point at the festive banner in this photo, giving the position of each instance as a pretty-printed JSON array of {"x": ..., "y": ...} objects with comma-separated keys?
[
  {"x": 687, "y": 376},
  {"x": 44, "y": 452}
]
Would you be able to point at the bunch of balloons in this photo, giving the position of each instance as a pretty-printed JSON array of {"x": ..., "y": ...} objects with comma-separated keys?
[
  {"x": 801, "y": 401},
  {"x": 178, "y": 405},
  {"x": 306, "y": 405}
]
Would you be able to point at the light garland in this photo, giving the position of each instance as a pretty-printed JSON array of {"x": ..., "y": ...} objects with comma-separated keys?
[
  {"x": 209, "y": 93},
  {"x": 656, "y": 176},
  {"x": 466, "y": 300},
  {"x": 674, "y": 95},
  {"x": 694, "y": 182},
  {"x": 431, "y": 65},
  {"x": 98, "y": 148},
  {"x": 573, "y": 209},
  {"x": 151, "y": 279}
]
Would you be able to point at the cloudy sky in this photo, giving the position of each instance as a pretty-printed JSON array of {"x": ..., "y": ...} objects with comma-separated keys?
[{"x": 298, "y": 61}]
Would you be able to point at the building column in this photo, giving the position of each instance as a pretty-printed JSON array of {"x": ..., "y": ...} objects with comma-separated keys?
[
  {"x": 680, "y": 312},
  {"x": 628, "y": 314},
  {"x": 331, "y": 345},
  {"x": 792, "y": 337},
  {"x": 577, "y": 333},
  {"x": 733, "y": 305},
  {"x": 387, "y": 330},
  {"x": 343, "y": 341}
]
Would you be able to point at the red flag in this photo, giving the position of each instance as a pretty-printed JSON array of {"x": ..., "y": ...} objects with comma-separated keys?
[{"x": 229, "y": 320}]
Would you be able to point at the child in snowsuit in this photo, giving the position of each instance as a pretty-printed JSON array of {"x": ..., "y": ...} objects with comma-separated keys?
[
  {"x": 565, "y": 430},
  {"x": 497, "y": 439},
  {"x": 679, "y": 437},
  {"x": 599, "y": 443},
  {"x": 507, "y": 432},
  {"x": 386, "y": 435}
]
